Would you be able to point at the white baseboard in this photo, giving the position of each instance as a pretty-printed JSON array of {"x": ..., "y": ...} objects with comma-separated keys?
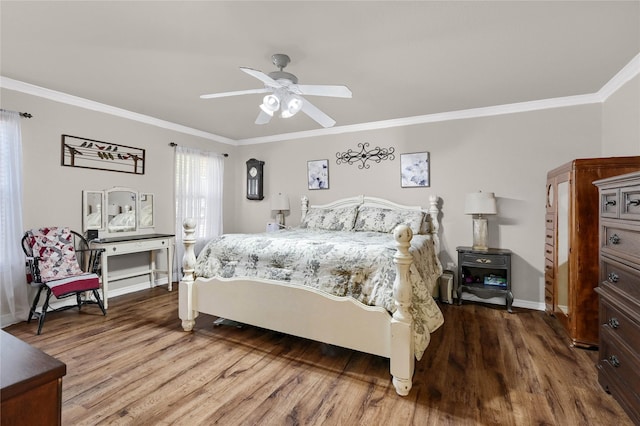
[{"x": 8, "y": 319}]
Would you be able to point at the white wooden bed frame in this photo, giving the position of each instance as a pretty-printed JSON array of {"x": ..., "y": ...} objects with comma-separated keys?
[{"x": 303, "y": 311}]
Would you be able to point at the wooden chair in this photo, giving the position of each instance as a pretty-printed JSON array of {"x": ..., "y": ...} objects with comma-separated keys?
[{"x": 60, "y": 262}]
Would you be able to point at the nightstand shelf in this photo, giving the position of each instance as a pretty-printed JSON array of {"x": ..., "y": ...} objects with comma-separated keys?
[{"x": 485, "y": 273}]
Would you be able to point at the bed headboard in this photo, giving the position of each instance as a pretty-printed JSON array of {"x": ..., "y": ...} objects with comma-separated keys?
[{"x": 431, "y": 213}]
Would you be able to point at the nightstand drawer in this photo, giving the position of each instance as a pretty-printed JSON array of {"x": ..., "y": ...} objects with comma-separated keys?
[{"x": 480, "y": 259}]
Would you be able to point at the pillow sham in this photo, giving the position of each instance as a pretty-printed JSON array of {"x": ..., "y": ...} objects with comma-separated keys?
[
  {"x": 341, "y": 219},
  {"x": 377, "y": 219}
]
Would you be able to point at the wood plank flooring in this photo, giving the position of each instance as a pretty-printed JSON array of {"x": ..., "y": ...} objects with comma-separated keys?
[{"x": 483, "y": 367}]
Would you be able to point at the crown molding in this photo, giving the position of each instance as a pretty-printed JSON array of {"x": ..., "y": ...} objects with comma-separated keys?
[
  {"x": 433, "y": 118},
  {"x": 629, "y": 71},
  {"x": 53, "y": 95}
]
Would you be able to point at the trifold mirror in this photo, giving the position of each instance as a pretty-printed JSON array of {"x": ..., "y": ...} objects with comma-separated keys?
[{"x": 117, "y": 211}]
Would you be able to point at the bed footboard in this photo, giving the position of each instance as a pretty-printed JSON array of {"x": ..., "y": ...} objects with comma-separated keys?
[{"x": 371, "y": 329}]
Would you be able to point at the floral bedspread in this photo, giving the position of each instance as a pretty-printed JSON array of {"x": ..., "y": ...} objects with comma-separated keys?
[{"x": 355, "y": 264}]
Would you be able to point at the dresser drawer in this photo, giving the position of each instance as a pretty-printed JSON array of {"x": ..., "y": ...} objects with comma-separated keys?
[
  {"x": 630, "y": 203},
  {"x": 619, "y": 324},
  {"x": 549, "y": 237},
  {"x": 609, "y": 203},
  {"x": 135, "y": 246},
  {"x": 548, "y": 253},
  {"x": 549, "y": 221},
  {"x": 621, "y": 277},
  {"x": 621, "y": 241},
  {"x": 472, "y": 259},
  {"x": 619, "y": 361}
]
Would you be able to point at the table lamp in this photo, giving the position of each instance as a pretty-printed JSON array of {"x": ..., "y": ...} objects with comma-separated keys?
[
  {"x": 280, "y": 203},
  {"x": 480, "y": 204}
]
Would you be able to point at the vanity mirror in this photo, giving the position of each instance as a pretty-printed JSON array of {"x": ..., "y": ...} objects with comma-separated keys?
[{"x": 117, "y": 211}]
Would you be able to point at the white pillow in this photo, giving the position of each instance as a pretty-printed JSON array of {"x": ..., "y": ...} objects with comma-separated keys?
[
  {"x": 330, "y": 219},
  {"x": 377, "y": 219}
]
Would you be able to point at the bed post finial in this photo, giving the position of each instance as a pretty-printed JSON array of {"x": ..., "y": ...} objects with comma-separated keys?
[
  {"x": 304, "y": 206},
  {"x": 189, "y": 258}
]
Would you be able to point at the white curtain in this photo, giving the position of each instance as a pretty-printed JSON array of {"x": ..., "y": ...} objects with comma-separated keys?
[
  {"x": 198, "y": 189},
  {"x": 13, "y": 283}
]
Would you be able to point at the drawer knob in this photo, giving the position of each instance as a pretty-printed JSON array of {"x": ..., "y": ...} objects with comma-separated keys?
[
  {"x": 483, "y": 260},
  {"x": 614, "y": 323},
  {"x": 113, "y": 248},
  {"x": 613, "y": 277},
  {"x": 610, "y": 203},
  {"x": 633, "y": 202},
  {"x": 614, "y": 239},
  {"x": 613, "y": 360}
]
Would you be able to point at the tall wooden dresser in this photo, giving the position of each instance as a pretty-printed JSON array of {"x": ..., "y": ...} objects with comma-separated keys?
[
  {"x": 571, "y": 243},
  {"x": 619, "y": 290}
]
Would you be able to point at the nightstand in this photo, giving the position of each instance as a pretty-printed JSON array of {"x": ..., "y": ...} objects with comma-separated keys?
[{"x": 485, "y": 273}]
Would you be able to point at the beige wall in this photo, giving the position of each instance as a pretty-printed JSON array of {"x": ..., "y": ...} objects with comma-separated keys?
[
  {"x": 621, "y": 121},
  {"x": 508, "y": 154},
  {"x": 53, "y": 193}
]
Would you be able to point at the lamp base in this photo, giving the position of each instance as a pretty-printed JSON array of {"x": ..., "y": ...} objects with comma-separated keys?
[
  {"x": 280, "y": 219},
  {"x": 480, "y": 233}
]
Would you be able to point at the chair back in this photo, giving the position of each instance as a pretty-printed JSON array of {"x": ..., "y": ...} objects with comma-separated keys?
[{"x": 61, "y": 252}]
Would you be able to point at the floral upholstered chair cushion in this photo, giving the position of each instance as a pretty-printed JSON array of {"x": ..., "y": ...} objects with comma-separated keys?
[
  {"x": 330, "y": 219},
  {"x": 54, "y": 248},
  {"x": 376, "y": 219}
]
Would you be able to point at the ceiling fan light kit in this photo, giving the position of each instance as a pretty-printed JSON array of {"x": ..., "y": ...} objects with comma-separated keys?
[{"x": 286, "y": 94}]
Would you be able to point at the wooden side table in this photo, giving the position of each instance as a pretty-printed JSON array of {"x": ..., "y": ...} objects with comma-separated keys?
[
  {"x": 485, "y": 273},
  {"x": 31, "y": 384}
]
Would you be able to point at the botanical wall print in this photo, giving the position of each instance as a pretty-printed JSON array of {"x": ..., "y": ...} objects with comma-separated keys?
[
  {"x": 414, "y": 169},
  {"x": 376, "y": 154},
  {"x": 93, "y": 154},
  {"x": 318, "y": 172}
]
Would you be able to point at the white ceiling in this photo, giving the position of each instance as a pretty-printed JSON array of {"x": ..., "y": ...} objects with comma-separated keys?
[{"x": 400, "y": 59}]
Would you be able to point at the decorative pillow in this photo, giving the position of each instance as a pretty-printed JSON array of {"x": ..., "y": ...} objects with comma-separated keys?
[
  {"x": 330, "y": 219},
  {"x": 377, "y": 219},
  {"x": 54, "y": 247}
]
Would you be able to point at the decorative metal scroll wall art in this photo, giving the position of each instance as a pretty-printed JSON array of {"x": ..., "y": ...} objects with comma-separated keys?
[
  {"x": 93, "y": 154},
  {"x": 376, "y": 154}
]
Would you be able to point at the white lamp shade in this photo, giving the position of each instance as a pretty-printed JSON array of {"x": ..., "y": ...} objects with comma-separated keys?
[
  {"x": 280, "y": 202},
  {"x": 480, "y": 203}
]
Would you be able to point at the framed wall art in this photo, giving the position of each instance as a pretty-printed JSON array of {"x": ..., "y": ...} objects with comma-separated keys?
[
  {"x": 98, "y": 155},
  {"x": 318, "y": 174},
  {"x": 414, "y": 170}
]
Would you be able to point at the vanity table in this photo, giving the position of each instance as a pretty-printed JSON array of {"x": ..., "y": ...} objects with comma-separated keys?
[
  {"x": 116, "y": 246},
  {"x": 121, "y": 221}
]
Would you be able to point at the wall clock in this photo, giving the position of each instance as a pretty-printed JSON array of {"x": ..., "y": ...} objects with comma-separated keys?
[{"x": 254, "y": 179}]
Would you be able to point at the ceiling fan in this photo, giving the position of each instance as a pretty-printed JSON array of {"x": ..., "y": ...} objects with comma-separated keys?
[{"x": 285, "y": 94}]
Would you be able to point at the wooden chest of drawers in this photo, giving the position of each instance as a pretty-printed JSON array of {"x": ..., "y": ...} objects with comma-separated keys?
[{"x": 619, "y": 290}]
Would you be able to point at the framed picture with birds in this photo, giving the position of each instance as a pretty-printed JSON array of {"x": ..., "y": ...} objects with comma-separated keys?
[{"x": 93, "y": 154}]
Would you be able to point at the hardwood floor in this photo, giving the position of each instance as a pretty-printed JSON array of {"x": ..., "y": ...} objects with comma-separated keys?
[{"x": 483, "y": 367}]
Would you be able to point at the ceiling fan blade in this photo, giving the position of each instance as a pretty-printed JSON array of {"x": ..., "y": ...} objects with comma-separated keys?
[
  {"x": 312, "y": 111},
  {"x": 263, "y": 118},
  {"x": 323, "y": 90},
  {"x": 236, "y": 93},
  {"x": 262, "y": 77}
]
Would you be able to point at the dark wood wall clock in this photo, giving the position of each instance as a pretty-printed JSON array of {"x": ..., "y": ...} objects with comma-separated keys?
[{"x": 254, "y": 179}]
